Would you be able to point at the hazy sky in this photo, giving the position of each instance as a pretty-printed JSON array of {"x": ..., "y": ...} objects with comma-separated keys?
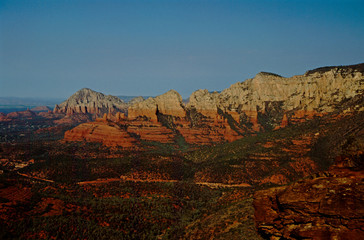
[{"x": 53, "y": 48}]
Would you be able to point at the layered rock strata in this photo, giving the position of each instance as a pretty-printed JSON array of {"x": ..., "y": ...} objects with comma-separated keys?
[
  {"x": 101, "y": 131},
  {"x": 126, "y": 134},
  {"x": 88, "y": 101},
  {"x": 265, "y": 102}
]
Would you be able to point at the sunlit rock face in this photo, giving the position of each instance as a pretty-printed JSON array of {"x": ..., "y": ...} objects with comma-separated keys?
[
  {"x": 204, "y": 102},
  {"x": 265, "y": 102},
  {"x": 316, "y": 90},
  {"x": 88, "y": 101},
  {"x": 169, "y": 103}
]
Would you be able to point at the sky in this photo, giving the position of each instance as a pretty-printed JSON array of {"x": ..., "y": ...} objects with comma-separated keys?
[{"x": 51, "y": 49}]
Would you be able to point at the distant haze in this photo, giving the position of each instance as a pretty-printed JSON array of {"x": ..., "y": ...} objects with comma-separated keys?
[{"x": 51, "y": 49}]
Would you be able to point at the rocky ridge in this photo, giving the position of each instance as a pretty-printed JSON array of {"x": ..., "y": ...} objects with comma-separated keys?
[
  {"x": 87, "y": 101},
  {"x": 41, "y": 109},
  {"x": 315, "y": 91},
  {"x": 265, "y": 102}
]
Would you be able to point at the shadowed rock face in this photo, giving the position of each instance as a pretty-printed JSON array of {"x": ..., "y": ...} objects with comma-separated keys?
[{"x": 327, "y": 206}]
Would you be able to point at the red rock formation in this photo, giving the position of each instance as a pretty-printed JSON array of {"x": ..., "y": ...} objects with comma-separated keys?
[
  {"x": 303, "y": 115},
  {"x": 253, "y": 118},
  {"x": 104, "y": 132},
  {"x": 169, "y": 103},
  {"x": 22, "y": 114},
  {"x": 329, "y": 206},
  {"x": 150, "y": 131},
  {"x": 123, "y": 133},
  {"x": 147, "y": 108},
  {"x": 212, "y": 127},
  {"x": 210, "y": 131},
  {"x": 247, "y": 107},
  {"x": 4, "y": 118},
  {"x": 87, "y": 101}
]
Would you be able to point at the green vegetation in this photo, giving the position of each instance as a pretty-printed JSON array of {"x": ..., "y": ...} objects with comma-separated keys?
[
  {"x": 159, "y": 192},
  {"x": 121, "y": 210}
]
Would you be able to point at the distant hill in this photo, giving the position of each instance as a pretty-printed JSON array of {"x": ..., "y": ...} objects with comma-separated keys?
[
  {"x": 12, "y": 104},
  {"x": 41, "y": 109},
  {"x": 20, "y": 101}
]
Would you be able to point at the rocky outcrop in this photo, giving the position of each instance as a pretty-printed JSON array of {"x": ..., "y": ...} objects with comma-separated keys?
[
  {"x": 329, "y": 205},
  {"x": 87, "y": 101},
  {"x": 198, "y": 122},
  {"x": 208, "y": 131},
  {"x": 147, "y": 131},
  {"x": 101, "y": 131},
  {"x": 126, "y": 134},
  {"x": 313, "y": 91},
  {"x": 147, "y": 108},
  {"x": 135, "y": 100},
  {"x": 204, "y": 102},
  {"x": 265, "y": 102},
  {"x": 169, "y": 103},
  {"x": 21, "y": 114}
]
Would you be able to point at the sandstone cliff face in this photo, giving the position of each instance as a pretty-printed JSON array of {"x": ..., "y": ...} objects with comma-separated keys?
[
  {"x": 89, "y": 101},
  {"x": 265, "y": 102},
  {"x": 198, "y": 122},
  {"x": 169, "y": 103},
  {"x": 204, "y": 102},
  {"x": 147, "y": 108},
  {"x": 313, "y": 91}
]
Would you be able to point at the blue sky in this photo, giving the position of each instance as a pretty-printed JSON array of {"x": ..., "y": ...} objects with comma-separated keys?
[{"x": 53, "y": 48}]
